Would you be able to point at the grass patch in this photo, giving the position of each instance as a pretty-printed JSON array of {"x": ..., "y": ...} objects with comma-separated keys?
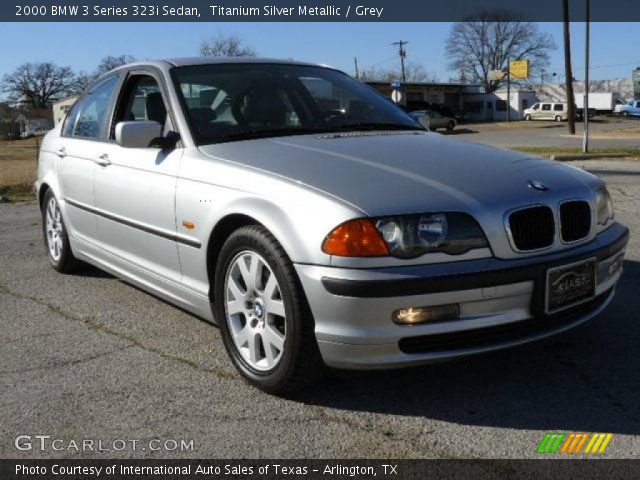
[
  {"x": 22, "y": 192},
  {"x": 549, "y": 151}
]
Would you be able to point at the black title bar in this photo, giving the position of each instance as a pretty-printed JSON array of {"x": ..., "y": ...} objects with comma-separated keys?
[{"x": 306, "y": 10}]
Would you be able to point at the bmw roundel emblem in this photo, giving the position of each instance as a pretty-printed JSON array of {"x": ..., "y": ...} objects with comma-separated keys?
[{"x": 539, "y": 186}]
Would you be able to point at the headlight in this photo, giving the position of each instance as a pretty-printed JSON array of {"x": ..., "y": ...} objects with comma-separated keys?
[
  {"x": 604, "y": 206},
  {"x": 406, "y": 236}
]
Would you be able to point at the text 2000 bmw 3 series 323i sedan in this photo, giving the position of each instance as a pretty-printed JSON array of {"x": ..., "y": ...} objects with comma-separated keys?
[{"x": 316, "y": 223}]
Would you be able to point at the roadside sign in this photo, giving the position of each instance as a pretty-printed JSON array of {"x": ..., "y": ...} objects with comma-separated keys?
[
  {"x": 395, "y": 85},
  {"x": 519, "y": 69},
  {"x": 496, "y": 75},
  {"x": 396, "y": 96}
]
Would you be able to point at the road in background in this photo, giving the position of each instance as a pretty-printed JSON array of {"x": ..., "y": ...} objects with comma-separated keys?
[
  {"x": 89, "y": 356},
  {"x": 605, "y": 132}
]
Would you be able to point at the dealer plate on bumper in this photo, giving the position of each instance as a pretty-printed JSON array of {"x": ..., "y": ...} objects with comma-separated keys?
[{"x": 570, "y": 285}]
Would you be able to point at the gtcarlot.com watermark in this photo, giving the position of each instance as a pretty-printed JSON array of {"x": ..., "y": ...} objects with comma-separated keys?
[{"x": 50, "y": 443}]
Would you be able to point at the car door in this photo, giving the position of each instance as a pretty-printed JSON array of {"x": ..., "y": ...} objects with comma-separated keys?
[
  {"x": 135, "y": 187},
  {"x": 82, "y": 137},
  {"x": 545, "y": 112}
]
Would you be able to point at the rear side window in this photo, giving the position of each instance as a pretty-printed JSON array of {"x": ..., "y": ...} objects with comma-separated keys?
[
  {"x": 546, "y": 106},
  {"x": 88, "y": 118},
  {"x": 558, "y": 107}
]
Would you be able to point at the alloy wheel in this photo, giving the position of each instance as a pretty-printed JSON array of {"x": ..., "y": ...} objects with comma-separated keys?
[
  {"x": 53, "y": 228},
  {"x": 254, "y": 310}
]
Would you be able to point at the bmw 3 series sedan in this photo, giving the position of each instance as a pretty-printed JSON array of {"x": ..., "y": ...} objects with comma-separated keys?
[{"x": 316, "y": 223}]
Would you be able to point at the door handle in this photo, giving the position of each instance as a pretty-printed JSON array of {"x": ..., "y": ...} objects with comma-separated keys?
[
  {"x": 61, "y": 152},
  {"x": 103, "y": 160}
]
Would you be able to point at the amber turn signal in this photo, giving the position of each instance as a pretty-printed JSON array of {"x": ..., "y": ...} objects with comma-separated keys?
[{"x": 355, "y": 238}]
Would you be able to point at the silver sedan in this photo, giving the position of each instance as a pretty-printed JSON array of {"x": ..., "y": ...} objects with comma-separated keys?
[{"x": 315, "y": 222}]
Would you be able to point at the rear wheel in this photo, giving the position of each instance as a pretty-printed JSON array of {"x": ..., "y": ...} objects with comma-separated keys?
[
  {"x": 451, "y": 126},
  {"x": 56, "y": 238},
  {"x": 266, "y": 324}
]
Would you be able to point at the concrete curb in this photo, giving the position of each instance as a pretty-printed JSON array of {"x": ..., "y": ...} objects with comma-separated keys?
[{"x": 587, "y": 156}]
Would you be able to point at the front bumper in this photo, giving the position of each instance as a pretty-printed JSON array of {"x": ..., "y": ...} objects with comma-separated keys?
[{"x": 501, "y": 305}]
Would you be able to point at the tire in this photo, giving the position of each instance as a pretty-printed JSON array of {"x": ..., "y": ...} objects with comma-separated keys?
[
  {"x": 625, "y": 113},
  {"x": 56, "y": 239},
  {"x": 451, "y": 126},
  {"x": 433, "y": 129},
  {"x": 267, "y": 330},
  {"x": 527, "y": 117},
  {"x": 558, "y": 118}
]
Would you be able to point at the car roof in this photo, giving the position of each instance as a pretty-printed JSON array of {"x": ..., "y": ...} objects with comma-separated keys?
[{"x": 187, "y": 61}]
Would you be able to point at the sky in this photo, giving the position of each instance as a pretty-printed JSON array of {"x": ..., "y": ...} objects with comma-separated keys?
[{"x": 615, "y": 47}]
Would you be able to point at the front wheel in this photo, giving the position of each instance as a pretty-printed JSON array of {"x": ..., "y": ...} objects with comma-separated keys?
[
  {"x": 266, "y": 324},
  {"x": 56, "y": 238},
  {"x": 527, "y": 117},
  {"x": 558, "y": 118},
  {"x": 625, "y": 114}
]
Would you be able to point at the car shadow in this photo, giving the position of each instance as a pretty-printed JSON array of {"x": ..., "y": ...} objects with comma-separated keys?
[{"x": 583, "y": 380}]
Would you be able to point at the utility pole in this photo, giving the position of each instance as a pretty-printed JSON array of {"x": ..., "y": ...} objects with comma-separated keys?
[
  {"x": 403, "y": 54},
  {"x": 571, "y": 111},
  {"x": 508, "y": 89},
  {"x": 585, "y": 112},
  {"x": 355, "y": 61}
]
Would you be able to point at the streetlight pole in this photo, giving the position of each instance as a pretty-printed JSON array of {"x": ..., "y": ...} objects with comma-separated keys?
[{"x": 585, "y": 112}]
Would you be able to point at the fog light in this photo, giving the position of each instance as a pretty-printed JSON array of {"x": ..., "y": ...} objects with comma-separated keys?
[
  {"x": 415, "y": 315},
  {"x": 616, "y": 265}
]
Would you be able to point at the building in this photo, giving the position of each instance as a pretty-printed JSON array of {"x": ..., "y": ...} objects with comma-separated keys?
[
  {"x": 423, "y": 94},
  {"x": 487, "y": 107},
  {"x": 34, "y": 119},
  {"x": 61, "y": 108},
  {"x": 635, "y": 77}
]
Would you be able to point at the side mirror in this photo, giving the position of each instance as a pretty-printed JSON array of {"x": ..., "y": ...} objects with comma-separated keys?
[{"x": 137, "y": 134}]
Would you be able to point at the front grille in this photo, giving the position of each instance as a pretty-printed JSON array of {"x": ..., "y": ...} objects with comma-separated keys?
[
  {"x": 532, "y": 228},
  {"x": 575, "y": 220},
  {"x": 508, "y": 332}
]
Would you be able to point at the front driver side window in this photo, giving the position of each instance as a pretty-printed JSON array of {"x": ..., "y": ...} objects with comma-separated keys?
[
  {"x": 142, "y": 101},
  {"x": 88, "y": 117}
]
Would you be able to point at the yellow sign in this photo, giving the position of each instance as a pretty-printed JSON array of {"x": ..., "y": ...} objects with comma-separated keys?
[{"x": 519, "y": 69}]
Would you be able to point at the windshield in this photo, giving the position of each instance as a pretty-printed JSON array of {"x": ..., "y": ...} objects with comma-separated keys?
[{"x": 226, "y": 102}]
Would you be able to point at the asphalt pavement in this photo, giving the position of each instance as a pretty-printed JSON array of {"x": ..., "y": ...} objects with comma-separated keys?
[
  {"x": 605, "y": 132},
  {"x": 88, "y": 356}
]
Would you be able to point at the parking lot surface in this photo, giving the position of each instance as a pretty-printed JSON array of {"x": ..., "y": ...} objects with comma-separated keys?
[
  {"x": 605, "y": 132},
  {"x": 89, "y": 356}
]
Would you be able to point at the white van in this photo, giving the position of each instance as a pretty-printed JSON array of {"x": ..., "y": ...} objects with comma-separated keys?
[{"x": 546, "y": 111}]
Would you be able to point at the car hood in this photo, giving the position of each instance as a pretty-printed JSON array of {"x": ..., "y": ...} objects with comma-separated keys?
[{"x": 408, "y": 172}]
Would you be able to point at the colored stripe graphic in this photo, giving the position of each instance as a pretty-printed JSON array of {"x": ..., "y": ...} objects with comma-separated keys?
[
  {"x": 551, "y": 442},
  {"x": 598, "y": 443},
  {"x": 573, "y": 443}
]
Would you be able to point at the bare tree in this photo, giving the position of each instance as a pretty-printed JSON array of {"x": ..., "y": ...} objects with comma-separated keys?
[
  {"x": 38, "y": 83},
  {"x": 487, "y": 39},
  {"x": 414, "y": 72},
  {"x": 110, "y": 62},
  {"x": 226, "y": 46}
]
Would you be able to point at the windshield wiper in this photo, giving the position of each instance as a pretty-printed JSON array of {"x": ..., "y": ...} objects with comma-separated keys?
[
  {"x": 255, "y": 134},
  {"x": 374, "y": 126}
]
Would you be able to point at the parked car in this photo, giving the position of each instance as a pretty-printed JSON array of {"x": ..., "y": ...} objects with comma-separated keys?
[
  {"x": 316, "y": 223},
  {"x": 631, "y": 109},
  {"x": 546, "y": 111},
  {"x": 34, "y": 132},
  {"x": 433, "y": 120}
]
